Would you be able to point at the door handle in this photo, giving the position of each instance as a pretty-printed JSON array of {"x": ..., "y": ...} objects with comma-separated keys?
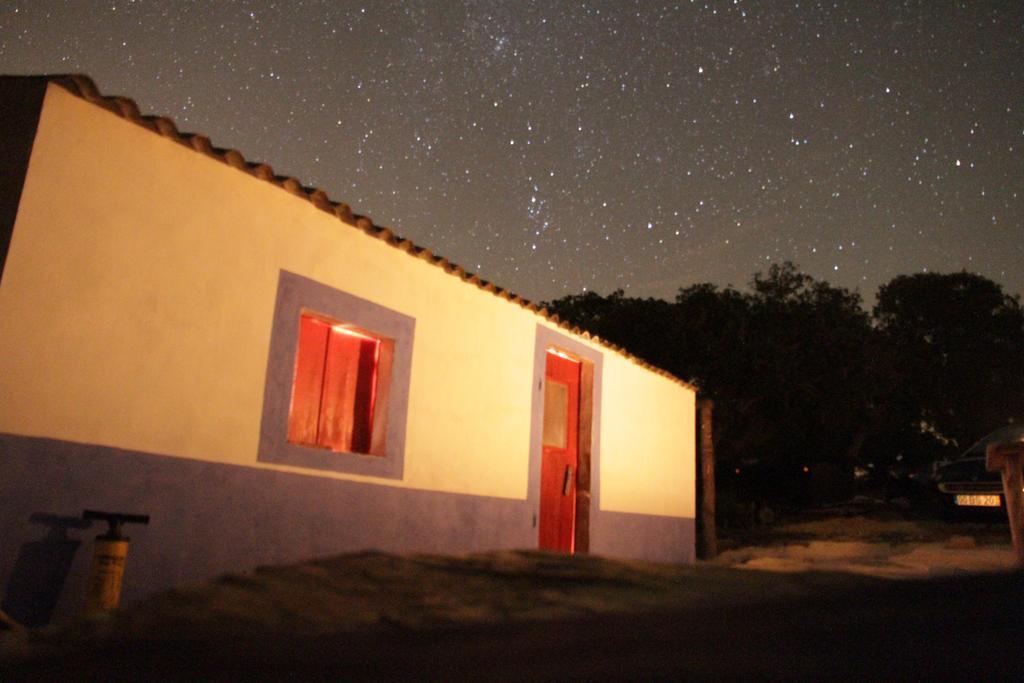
[{"x": 567, "y": 484}]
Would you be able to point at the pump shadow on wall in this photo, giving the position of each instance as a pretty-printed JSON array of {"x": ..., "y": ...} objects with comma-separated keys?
[
  {"x": 41, "y": 569},
  {"x": 557, "y": 476}
]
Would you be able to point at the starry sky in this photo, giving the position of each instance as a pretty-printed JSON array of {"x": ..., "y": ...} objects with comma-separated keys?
[{"x": 555, "y": 147}]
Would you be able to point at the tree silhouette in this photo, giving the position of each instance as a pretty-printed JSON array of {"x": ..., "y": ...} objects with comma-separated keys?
[
  {"x": 801, "y": 374},
  {"x": 959, "y": 340}
]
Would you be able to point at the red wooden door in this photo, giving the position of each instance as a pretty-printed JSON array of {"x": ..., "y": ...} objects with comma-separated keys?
[{"x": 560, "y": 453}]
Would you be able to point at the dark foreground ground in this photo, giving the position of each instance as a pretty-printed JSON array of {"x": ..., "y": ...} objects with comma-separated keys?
[{"x": 533, "y": 616}]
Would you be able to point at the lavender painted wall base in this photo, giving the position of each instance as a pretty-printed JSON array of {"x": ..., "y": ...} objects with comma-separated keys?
[
  {"x": 208, "y": 519},
  {"x": 646, "y": 537}
]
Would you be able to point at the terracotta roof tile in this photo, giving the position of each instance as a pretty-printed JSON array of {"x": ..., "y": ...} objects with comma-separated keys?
[{"x": 82, "y": 86}]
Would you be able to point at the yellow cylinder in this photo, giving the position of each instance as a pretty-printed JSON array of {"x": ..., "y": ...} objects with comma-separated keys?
[{"x": 105, "y": 575}]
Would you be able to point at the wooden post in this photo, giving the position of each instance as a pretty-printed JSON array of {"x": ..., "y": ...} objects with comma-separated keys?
[
  {"x": 1009, "y": 460},
  {"x": 709, "y": 536}
]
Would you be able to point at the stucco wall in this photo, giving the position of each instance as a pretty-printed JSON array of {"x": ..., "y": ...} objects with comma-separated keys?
[
  {"x": 647, "y": 442},
  {"x": 136, "y": 309}
]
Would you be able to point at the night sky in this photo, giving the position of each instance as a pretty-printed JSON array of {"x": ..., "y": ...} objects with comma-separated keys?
[{"x": 553, "y": 147}]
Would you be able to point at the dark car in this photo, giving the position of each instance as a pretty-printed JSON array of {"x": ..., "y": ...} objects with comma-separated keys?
[{"x": 965, "y": 483}]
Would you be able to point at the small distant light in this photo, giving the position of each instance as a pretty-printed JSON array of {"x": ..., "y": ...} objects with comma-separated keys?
[{"x": 806, "y": 469}]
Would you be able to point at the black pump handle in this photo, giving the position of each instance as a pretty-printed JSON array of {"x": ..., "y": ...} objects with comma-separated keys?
[{"x": 115, "y": 520}]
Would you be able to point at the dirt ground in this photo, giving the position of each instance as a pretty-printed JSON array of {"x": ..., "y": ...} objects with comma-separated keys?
[
  {"x": 890, "y": 546},
  {"x": 812, "y": 598}
]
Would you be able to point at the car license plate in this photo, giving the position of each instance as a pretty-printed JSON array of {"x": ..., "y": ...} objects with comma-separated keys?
[{"x": 978, "y": 501}]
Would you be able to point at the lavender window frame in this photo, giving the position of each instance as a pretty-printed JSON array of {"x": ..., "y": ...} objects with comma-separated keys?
[{"x": 295, "y": 293}]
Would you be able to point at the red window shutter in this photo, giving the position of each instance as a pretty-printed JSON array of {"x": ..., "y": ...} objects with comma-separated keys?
[
  {"x": 350, "y": 379},
  {"x": 338, "y": 405},
  {"x": 362, "y": 418},
  {"x": 335, "y": 392},
  {"x": 309, "y": 378}
]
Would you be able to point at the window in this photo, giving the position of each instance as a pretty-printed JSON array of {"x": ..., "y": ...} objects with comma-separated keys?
[
  {"x": 556, "y": 413},
  {"x": 339, "y": 387},
  {"x": 327, "y": 404}
]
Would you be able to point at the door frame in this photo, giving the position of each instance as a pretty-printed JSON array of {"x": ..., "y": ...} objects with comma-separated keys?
[{"x": 588, "y": 464}]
